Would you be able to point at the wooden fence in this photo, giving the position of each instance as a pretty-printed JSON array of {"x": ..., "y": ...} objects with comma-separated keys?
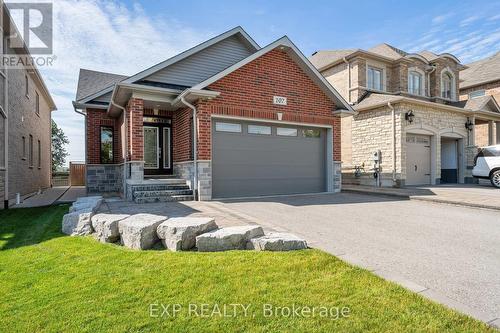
[{"x": 77, "y": 173}]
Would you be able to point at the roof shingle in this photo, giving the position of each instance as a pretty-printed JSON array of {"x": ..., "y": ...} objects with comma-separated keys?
[
  {"x": 481, "y": 71},
  {"x": 90, "y": 82}
]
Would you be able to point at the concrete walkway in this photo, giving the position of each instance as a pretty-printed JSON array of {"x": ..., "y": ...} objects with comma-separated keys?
[
  {"x": 50, "y": 196},
  {"x": 478, "y": 196}
]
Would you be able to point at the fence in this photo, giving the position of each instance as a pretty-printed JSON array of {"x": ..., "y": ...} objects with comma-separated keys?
[
  {"x": 60, "y": 179},
  {"x": 77, "y": 173}
]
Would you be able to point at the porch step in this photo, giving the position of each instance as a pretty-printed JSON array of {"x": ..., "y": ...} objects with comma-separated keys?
[
  {"x": 160, "y": 187},
  {"x": 161, "y": 193},
  {"x": 172, "y": 198}
]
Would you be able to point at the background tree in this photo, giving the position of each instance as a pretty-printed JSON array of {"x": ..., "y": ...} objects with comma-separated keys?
[{"x": 59, "y": 141}]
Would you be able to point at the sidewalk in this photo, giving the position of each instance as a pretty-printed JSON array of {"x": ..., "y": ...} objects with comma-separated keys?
[
  {"x": 57, "y": 194},
  {"x": 478, "y": 196}
]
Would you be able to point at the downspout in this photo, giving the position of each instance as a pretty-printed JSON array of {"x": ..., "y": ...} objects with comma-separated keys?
[
  {"x": 6, "y": 138},
  {"x": 195, "y": 149},
  {"x": 429, "y": 80},
  {"x": 393, "y": 114},
  {"x": 85, "y": 119},
  {"x": 125, "y": 127},
  {"x": 348, "y": 79}
]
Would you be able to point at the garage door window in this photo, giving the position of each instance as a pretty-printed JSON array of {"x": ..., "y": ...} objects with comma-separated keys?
[
  {"x": 228, "y": 127},
  {"x": 312, "y": 133},
  {"x": 257, "y": 129},
  {"x": 282, "y": 131}
]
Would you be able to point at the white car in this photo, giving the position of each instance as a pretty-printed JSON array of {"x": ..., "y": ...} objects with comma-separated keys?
[{"x": 487, "y": 164}]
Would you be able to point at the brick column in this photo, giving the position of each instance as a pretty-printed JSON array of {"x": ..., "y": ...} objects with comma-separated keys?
[{"x": 135, "y": 144}]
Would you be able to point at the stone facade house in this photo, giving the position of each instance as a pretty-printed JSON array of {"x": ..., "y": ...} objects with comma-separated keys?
[
  {"x": 410, "y": 128},
  {"x": 482, "y": 78},
  {"x": 25, "y": 122},
  {"x": 226, "y": 118}
]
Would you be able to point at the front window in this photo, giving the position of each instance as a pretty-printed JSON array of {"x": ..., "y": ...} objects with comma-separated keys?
[
  {"x": 415, "y": 83},
  {"x": 447, "y": 86},
  {"x": 374, "y": 78},
  {"x": 106, "y": 145},
  {"x": 257, "y": 129}
]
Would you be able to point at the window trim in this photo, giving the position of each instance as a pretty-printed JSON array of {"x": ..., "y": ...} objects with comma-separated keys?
[
  {"x": 286, "y": 135},
  {"x": 30, "y": 152},
  {"x": 39, "y": 154},
  {"x": 453, "y": 89},
  {"x": 112, "y": 144},
  {"x": 483, "y": 93},
  {"x": 260, "y": 126},
  {"x": 222, "y": 123},
  {"x": 382, "y": 77},
  {"x": 24, "y": 148},
  {"x": 26, "y": 88},
  {"x": 421, "y": 74},
  {"x": 37, "y": 103}
]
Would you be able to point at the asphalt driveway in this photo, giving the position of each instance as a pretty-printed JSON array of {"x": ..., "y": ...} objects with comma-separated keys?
[{"x": 447, "y": 253}]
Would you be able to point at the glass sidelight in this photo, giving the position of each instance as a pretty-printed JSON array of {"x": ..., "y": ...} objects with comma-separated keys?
[
  {"x": 151, "y": 151},
  {"x": 166, "y": 148}
]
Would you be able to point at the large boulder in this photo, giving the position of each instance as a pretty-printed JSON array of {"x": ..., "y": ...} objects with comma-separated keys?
[
  {"x": 231, "y": 238},
  {"x": 106, "y": 226},
  {"x": 78, "y": 223},
  {"x": 139, "y": 231},
  {"x": 277, "y": 242},
  {"x": 84, "y": 203},
  {"x": 179, "y": 234}
]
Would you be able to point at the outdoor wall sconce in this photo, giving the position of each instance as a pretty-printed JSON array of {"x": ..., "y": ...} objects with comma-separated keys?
[
  {"x": 409, "y": 116},
  {"x": 469, "y": 125},
  {"x": 280, "y": 116}
]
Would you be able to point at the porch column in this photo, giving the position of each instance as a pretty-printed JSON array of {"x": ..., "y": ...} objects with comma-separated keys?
[
  {"x": 497, "y": 127},
  {"x": 135, "y": 138},
  {"x": 491, "y": 137}
]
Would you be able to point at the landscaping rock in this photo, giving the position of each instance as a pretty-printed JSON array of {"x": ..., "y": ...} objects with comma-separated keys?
[
  {"x": 139, "y": 231},
  {"x": 231, "y": 238},
  {"x": 84, "y": 203},
  {"x": 106, "y": 226},
  {"x": 277, "y": 242},
  {"x": 179, "y": 234},
  {"x": 78, "y": 223}
]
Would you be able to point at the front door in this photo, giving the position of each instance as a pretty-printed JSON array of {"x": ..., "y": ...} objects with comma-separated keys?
[{"x": 157, "y": 149}]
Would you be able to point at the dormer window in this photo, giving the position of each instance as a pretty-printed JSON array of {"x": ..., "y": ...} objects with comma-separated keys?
[
  {"x": 415, "y": 83},
  {"x": 447, "y": 85},
  {"x": 374, "y": 78}
]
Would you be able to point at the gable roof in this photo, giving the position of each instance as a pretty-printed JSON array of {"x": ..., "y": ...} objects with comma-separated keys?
[
  {"x": 92, "y": 82},
  {"x": 481, "y": 71},
  {"x": 388, "y": 51},
  {"x": 298, "y": 57},
  {"x": 321, "y": 59}
]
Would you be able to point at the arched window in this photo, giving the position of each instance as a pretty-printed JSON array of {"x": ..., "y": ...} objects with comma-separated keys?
[
  {"x": 415, "y": 83},
  {"x": 447, "y": 85}
]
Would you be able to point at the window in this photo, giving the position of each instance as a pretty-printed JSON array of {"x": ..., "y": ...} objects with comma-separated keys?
[
  {"x": 30, "y": 156},
  {"x": 2, "y": 142},
  {"x": 374, "y": 78},
  {"x": 37, "y": 103},
  {"x": 257, "y": 129},
  {"x": 24, "y": 147},
  {"x": 228, "y": 127},
  {"x": 282, "y": 131},
  {"x": 477, "y": 93},
  {"x": 415, "y": 83},
  {"x": 26, "y": 86},
  {"x": 312, "y": 133},
  {"x": 39, "y": 154},
  {"x": 447, "y": 85},
  {"x": 106, "y": 145}
]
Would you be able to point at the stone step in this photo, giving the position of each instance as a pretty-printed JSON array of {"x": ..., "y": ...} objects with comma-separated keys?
[
  {"x": 172, "y": 198},
  {"x": 230, "y": 238},
  {"x": 161, "y": 193}
]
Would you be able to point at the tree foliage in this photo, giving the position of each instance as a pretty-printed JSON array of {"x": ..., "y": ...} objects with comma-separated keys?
[{"x": 59, "y": 141}]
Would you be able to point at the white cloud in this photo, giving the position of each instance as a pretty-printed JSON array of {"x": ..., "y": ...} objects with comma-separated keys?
[
  {"x": 441, "y": 18},
  {"x": 469, "y": 20},
  {"x": 110, "y": 37}
]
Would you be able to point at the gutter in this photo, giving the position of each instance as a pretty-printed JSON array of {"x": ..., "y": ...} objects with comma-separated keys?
[
  {"x": 348, "y": 80},
  {"x": 393, "y": 114},
  {"x": 429, "y": 80}
]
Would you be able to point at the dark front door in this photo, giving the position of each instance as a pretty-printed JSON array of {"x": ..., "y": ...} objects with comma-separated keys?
[{"x": 157, "y": 146}]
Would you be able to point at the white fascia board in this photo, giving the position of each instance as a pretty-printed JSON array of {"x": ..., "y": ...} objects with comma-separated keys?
[
  {"x": 195, "y": 93},
  {"x": 190, "y": 52},
  {"x": 283, "y": 41}
]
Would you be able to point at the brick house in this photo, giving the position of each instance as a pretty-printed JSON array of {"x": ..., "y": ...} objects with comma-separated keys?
[
  {"x": 25, "y": 122},
  {"x": 482, "y": 78},
  {"x": 408, "y": 109},
  {"x": 226, "y": 118}
]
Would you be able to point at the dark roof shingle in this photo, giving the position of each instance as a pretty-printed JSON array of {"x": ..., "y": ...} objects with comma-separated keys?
[{"x": 90, "y": 82}]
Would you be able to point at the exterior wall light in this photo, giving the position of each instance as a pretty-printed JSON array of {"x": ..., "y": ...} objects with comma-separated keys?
[
  {"x": 409, "y": 116},
  {"x": 469, "y": 125}
]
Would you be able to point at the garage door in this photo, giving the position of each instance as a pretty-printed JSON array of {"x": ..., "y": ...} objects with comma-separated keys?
[
  {"x": 418, "y": 159},
  {"x": 255, "y": 159}
]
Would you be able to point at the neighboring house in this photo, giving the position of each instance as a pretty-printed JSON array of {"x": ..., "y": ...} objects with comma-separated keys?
[
  {"x": 482, "y": 78},
  {"x": 25, "y": 124},
  {"x": 407, "y": 107},
  {"x": 227, "y": 117}
]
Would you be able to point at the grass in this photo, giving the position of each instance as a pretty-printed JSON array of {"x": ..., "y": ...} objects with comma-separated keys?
[{"x": 53, "y": 283}]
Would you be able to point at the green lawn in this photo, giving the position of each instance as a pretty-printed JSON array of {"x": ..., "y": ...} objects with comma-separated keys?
[{"x": 53, "y": 283}]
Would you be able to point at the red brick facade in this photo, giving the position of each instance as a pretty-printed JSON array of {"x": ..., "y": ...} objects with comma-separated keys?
[
  {"x": 135, "y": 112},
  {"x": 96, "y": 119},
  {"x": 249, "y": 91}
]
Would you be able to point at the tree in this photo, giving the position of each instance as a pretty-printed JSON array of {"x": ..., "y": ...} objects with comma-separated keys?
[{"x": 59, "y": 153}]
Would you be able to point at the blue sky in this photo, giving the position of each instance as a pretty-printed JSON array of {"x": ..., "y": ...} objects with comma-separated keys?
[{"x": 127, "y": 36}]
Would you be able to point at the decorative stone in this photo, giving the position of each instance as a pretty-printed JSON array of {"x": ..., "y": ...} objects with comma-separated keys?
[
  {"x": 139, "y": 231},
  {"x": 78, "y": 223},
  {"x": 84, "y": 203},
  {"x": 231, "y": 238},
  {"x": 277, "y": 242},
  {"x": 106, "y": 226},
  {"x": 179, "y": 234}
]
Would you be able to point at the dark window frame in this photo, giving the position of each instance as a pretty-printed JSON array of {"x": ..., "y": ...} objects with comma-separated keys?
[
  {"x": 37, "y": 103},
  {"x": 30, "y": 152},
  {"x": 39, "y": 154},
  {"x": 24, "y": 147},
  {"x": 112, "y": 144},
  {"x": 27, "y": 87}
]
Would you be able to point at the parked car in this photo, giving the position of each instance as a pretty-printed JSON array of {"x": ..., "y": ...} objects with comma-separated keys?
[{"x": 487, "y": 164}]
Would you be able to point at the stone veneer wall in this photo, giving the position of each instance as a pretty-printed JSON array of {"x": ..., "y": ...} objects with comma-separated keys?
[
  {"x": 185, "y": 170},
  {"x": 105, "y": 178}
]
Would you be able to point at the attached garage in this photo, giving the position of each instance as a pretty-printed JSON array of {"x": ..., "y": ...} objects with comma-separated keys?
[
  {"x": 418, "y": 159},
  {"x": 258, "y": 159}
]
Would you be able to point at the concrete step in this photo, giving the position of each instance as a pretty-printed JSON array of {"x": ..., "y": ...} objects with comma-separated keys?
[
  {"x": 172, "y": 198},
  {"x": 160, "y": 187},
  {"x": 161, "y": 193}
]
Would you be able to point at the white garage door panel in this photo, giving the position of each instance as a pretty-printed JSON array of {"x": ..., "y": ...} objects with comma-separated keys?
[{"x": 418, "y": 159}]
